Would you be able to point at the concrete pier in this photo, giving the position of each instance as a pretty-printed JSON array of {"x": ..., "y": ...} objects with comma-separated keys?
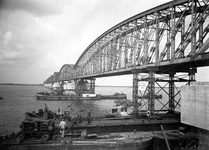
[{"x": 195, "y": 110}]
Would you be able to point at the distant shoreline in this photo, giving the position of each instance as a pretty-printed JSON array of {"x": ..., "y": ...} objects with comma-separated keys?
[
  {"x": 21, "y": 84},
  {"x": 42, "y": 85}
]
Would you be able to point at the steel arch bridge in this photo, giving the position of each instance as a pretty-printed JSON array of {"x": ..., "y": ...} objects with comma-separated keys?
[
  {"x": 172, "y": 33},
  {"x": 168, "y": 39}
]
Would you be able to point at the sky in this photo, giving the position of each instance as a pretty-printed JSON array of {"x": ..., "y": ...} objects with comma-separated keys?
[{"x": 37, "y": 37}]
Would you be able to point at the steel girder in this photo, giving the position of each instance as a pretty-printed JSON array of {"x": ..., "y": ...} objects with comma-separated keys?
[{"x": 163, "y": 33}]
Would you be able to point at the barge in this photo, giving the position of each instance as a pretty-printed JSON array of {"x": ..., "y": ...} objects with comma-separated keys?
[
  {"x": 134, "y": 131},
  {"x": 122, "y": 141},
  {"x": 60, "y": 97},
  {"x": 113, "y": 122},
  {"x": 43, "y": 134}
]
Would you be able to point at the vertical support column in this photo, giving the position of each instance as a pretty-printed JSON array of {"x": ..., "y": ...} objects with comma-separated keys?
[
  {"x": 51, "y": 85},
  {"x": 100, "y": 61},
  {"x": 172, "y": 33},
  {"x": 157, "y": 39},
  {"x": 171, "y": 92},
  {"x": 193, "y": 22},
  {"x": 182, "y": 36},
  {"x": 76, "y": 86},
  {"x": 135, "y": 90},
  {"x": 62, "y": 86},
  {"x": 151, "y": 91},
  {"x": 146, "y": 46},
  {"x": 201, "y": 32},
  {"x": 105, "y": 59},
  {"x": 119, "y": 51},
  {"x": 115, "y": 53},
  {"x": 192, "y": 72},
  {"x": 92, "y": 86},
  {"x": 168, "y": 44},
  {"x": 95, "y": 65}
]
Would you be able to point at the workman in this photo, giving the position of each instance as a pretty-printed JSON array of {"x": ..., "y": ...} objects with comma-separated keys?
[
  {"x": 79, "y": 117},
  {"x": 89, "y": 117},
  {"x": 46, "y": 108},
  {"x": 62, "y": 127}
]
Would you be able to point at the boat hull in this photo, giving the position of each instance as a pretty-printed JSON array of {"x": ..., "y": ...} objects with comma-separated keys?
[
  {"x": 127, "y": 126},
  {"x": 64, "y": 97},
  {"x": 82, "y": 146},
  {"x": 133, "y": 141},
  {"x": 175, "y": 139},
  {"x": 51, "y": 97}
]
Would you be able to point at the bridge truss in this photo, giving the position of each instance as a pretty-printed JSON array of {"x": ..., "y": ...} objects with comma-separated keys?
[
  {"x": 169, "y": 32},
  {"x": 170, "y": 39},
  {"x": 164, "y": 40}
]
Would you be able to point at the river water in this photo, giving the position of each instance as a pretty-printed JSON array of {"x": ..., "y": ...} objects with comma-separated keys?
[{"x": 19, "y": 99}]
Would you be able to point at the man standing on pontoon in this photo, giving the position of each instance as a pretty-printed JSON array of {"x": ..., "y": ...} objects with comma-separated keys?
[{"x": 62, "y": 127}]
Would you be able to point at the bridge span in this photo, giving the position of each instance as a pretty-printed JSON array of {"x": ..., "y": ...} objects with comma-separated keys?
[{"x": 164, "y": 42}]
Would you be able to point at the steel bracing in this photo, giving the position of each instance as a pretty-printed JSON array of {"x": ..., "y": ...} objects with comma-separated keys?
[
  {"x": 169, "y": 39},
  {"x": 167, "y": 33},
  {"x": 166, "y": 91}
]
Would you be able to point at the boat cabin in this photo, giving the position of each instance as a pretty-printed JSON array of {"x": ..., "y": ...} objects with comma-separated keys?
[{"x": 115, "y": 110}]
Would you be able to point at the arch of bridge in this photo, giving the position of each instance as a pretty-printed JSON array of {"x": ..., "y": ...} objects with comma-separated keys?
[
  {"x": 55, "y": 77},
  {"x": 159, "y": 35},
  {"x": 136, "y": 41},
  {"x": 66, "y": 72}
]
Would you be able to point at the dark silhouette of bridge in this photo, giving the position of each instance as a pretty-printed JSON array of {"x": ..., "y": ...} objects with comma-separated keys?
[{"x": 168, "y": 40}]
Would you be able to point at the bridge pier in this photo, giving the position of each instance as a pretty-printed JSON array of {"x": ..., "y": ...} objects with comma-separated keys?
[
  {"x": 83, "y": 86},
  {"x": 159, "y": 98},
  {"x": 92, "y": 86},
  {"x": 62, "y": 85}
]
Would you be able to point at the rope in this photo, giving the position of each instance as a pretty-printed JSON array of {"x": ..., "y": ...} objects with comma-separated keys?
[{"x": 101, "y": 81}]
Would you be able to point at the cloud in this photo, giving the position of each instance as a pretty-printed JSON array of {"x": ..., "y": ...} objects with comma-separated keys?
[
  {"x": 34, "y": 7},
  {"x": 7, "y": 37},
  {"x": 37, "y": 37},
  {"x": 52, "y": 61}
]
